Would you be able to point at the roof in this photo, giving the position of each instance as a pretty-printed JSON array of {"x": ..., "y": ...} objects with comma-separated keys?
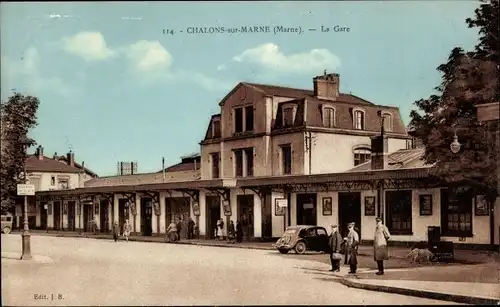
[
  {"x": 403, "y": 158},
  {"x": 181, "y": 167},
  {"x": 145, "y": 178},
  {"x": 77, "y": 165},
  {"x": 282, "y": 91},
  {"x": 34, "y": 164}
]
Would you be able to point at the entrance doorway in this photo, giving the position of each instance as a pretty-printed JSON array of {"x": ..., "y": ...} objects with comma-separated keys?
[
  {"x": 306, "y": 209},
  {"x": 71, "y": 216},
  {"x": 349, "y": 211},
  {"x": 146, "y": 216},
  {"x": 177, "y": 210},
  {"x": 87, "y": 217},
  {"x": 104, "y": 215},
  {"x": 213, "y": 215},
  {"x": 123, "y": 213},
  {"x": 43, "y": 216},
  {"x": 245, "y": 215},
  {"x": 57, "y": 215}
]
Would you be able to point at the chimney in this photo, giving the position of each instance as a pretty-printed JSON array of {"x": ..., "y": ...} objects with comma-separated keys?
[
  {"x": 39, "y": 152},
  {"x": 379, "y": 152},
  {"x": 327, "y": 86},
  {"x": 55, "y": 156},
  {"x": 70, "y": 157}
]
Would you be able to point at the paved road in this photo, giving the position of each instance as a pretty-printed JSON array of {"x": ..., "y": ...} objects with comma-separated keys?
[{"x": 101, "y": 272}]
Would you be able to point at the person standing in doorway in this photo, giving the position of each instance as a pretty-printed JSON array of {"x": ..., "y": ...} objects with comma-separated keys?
[
  {"x": 220, "y": 229},
  {"x": 334, "y": 248},
  {"x": 178, "y": 227},
  {"x": 231, "y": 232},
  {"x": 352, "y": 243},
  {"x": 116, "y": 231},
  {"x": 127, "y": 228},
  {"x": 239, "y": 232},
  {"x": 380, "y": 250}
]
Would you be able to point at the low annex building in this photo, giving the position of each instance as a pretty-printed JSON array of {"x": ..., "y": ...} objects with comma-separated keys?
[{"x": 277, "y": 156}]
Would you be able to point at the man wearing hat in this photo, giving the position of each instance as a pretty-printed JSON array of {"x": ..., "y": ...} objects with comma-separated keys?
[
  {"x": 380, "y": 250},
  {"x": 334, "y": 247},
  {"x": 352, "y": 242}
]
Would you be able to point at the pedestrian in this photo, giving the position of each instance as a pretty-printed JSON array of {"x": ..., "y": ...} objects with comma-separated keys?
[
  {"x": 116, "y": 231},
  {"x": 231, "y": 232},
  {"x": 239, "y": 232},
  {"x": 380, "y": 250},
  {"x": 220, "y": 229},
  {"x": 191, "y": 224},
  {"x": 127, "y": 228},
  {"x": 172, "y": 231},
  {"x": 178, "y": 226},
  {"x": 334, "y": 248},
  {"x": 352, "y": 243}
]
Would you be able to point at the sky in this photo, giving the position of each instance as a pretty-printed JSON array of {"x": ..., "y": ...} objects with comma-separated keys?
[{"x": 128, "y": 81}]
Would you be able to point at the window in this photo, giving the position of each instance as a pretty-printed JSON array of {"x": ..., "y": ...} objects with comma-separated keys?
[
  {"x": 238, "y": 120},
  {"x": 238, "y": 161},
  {"x": 63, "y": 184},
  {"x": 361, "y": 155},
  {"x": 286, "y": 156},
  {"x": 359, "y": 120},
  {"x": 387, "y": 121},
  {"x": 249, "y": 160},
  {"x": 456, "y": 213},
  {"x": 243, "y": 160},
  {"x": 216, "y": 133},
  {"x": 53, "y": 181},
  {"x": 214, "y": 157},
  {"x": 249, "y": 118},
  {"x": 288, "y": 117},
  {"x": 243, "y": 119},
  {"x": 328, "y": 117},
  {"x": 399, "y": 212},
  {"x": 321, "y": 232}
]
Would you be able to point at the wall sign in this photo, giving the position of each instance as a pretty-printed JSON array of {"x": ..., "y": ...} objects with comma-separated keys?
[
  {"x": 425, "y": 204},
  {"x": 369, "y": 205},
  {"x": 226, "y": 206},
  {"x": 481, "y": 206},
  {"x": 196, "y": 208},
  {"x": 280, "y": 205},
  {"x": 327, "y": 206}
]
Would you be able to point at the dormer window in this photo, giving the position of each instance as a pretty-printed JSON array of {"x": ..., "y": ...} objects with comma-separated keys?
[
  {"x": 362, "y": 154},
  {"x": 359, "y": 119},
  {"x": 328, "y": 117},
  {"x": 216, "y": 133},
  {"x": 289, "y": 112},
  {"x": 243, "y": 119},
  {"x": 387, "y": 121}
]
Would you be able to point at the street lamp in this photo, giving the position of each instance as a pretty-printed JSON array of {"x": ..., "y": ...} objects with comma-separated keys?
[{"x": 26, "y": 252}]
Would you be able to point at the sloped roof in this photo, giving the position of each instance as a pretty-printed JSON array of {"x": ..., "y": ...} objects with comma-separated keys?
[
  {"x": 64, "y": 159},
  {"x": 146, "y": 178},
  {"x": 403, "y": 158},
  {"x": 34, "y": 164}
]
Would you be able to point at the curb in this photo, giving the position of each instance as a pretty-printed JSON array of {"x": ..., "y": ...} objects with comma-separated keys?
[{"x": 349, "y": 282}]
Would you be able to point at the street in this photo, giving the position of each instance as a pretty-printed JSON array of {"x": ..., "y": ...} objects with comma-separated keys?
[{"x": 102, "y": 272}]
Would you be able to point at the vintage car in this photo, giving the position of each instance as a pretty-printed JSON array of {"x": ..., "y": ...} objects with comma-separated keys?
[{"x": 302, "y": 238}]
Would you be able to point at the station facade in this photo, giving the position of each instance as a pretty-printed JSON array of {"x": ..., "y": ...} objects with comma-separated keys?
[{"x": 278, "y": 156}]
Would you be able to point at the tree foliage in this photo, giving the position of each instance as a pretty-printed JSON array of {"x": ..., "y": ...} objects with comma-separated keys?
[
  {"x": 18, "y": 116},
  {"x": 467, "y": 79}
]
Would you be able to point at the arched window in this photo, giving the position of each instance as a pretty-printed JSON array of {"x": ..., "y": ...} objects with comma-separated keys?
[
  {"x": 387, "y": 121},
  {"x": 358, "y": 119},
  {"x": 362, "y": 155},
  {"x": 328, "y": 117}
]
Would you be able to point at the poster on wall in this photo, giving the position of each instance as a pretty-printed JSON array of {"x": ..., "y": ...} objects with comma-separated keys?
[
  {"x": 78, "y": 209},
  {"x": 96, "y": 209},
  {"x": 196, "y": 208},
  {"x": 65, "y": 208},
  {"x": 481, "y": 205},
  {"x": 369, "y": 205},
  {"x": 156, "y": 207},
  {"x": 327, "y": 206},
  {"x": 49, "y": 209},
  {"x": 280, "y": 206},
  {"x": 226, "y": 206},
  {"x": 426, "y": 204}
]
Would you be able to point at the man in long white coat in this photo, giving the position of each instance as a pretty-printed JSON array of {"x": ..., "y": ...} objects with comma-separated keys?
[{"x": 380, "y": 250}]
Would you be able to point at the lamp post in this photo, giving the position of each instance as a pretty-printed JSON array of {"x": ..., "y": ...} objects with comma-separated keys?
[{"x": 26, "y": 237}]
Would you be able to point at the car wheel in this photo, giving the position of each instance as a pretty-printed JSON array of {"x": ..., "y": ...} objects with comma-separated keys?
[
  {"x": 6, "y": 230},
  {"x": 300, "y": 248},
  {"x": 284, "y": 251}
]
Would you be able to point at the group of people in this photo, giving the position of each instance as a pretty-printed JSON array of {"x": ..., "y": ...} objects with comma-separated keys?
[
  {"x": 127, "y": 229},
  {"x": 174, "y": 229},
  {"x": 349, "y": 247},
  {"x": 234, "y": 234}
]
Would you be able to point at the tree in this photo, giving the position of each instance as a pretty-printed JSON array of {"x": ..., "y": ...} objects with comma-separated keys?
[
  {"x": 18, "y": 116},
  {"x": 468, "y": 79}
]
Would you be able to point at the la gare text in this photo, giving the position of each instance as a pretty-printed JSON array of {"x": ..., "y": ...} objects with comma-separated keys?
[{"x": 257, "y": 29}]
